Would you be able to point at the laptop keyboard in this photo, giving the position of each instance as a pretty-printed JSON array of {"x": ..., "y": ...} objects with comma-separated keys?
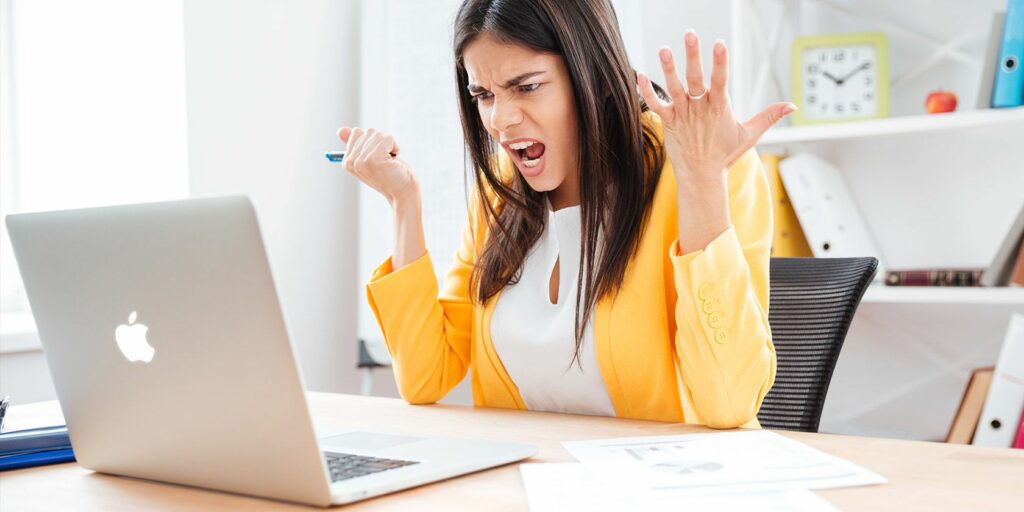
[{"x": 345, "y": 465}]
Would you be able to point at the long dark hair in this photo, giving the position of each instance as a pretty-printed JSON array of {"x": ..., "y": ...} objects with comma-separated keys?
[{"x": 620, "y": 158}]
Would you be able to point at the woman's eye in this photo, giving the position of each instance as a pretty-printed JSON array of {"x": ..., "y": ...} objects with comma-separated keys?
[{"x": 484, "y": 96}]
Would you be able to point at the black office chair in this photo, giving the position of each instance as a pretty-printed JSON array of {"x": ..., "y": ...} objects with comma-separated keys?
[{"x": 811, "y": 304}]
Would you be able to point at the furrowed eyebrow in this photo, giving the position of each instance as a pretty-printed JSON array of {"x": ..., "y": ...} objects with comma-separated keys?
[{"x": 512, "y": 82}]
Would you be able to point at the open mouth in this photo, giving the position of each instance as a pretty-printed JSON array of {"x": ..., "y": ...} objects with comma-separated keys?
[{"x": 528, "y": 153}]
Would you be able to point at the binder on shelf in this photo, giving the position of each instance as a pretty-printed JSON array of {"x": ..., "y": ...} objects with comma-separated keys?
[
  {"x": 990, "y": 66},
  {"x": 1008, "y": 89},
  {"x": 999, "y": 270},
  {"x": 1017, "y": 275},
  {"x": 1005, "y": 401},
  {"x": 1019, "y": 441},
  {"x": 828, "y": 216},
  {"x": 788, "y": 239},
  {"x": 967, "y": 415}
]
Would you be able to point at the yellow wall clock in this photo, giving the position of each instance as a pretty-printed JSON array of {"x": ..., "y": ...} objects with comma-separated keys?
[{"x": 841, "y": 77}]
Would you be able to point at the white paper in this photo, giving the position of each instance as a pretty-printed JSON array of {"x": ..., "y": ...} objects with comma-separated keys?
[
  {"x": 699, "y": 464},
  {"x": 571, "y": 487},
  {"x": 33, "y": 415}
]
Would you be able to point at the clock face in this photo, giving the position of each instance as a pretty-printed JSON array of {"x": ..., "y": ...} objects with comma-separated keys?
[{"x": 840, "y": 81}]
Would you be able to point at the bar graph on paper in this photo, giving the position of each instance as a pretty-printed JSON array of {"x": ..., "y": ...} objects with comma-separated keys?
[
  {"x": 695, "y": 464},
  {"x": 670, "y": 458}
]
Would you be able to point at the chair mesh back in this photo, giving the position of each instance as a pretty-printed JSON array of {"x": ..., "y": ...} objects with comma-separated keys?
[{"x": 812, "y": 301}]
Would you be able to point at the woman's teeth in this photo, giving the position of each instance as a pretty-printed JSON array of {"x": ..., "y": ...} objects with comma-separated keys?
[{"x": 524, "y": 152}]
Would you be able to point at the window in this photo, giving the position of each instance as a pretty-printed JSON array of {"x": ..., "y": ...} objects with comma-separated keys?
[{"x": 92, "y": 113}]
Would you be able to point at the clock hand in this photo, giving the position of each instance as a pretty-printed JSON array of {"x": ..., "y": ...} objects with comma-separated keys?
[
  {"x": 838, "y": 81},
  {"x": 854, "y": 72}
]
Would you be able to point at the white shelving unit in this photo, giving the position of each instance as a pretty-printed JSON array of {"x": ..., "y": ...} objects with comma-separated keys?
[
  {"x": 934, "y": 190},
  {"x": 906, "y": 125},
  {"x": 919, "y": 295}
]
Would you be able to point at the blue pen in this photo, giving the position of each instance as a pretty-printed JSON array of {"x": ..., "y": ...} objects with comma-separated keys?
[{"x": 337, "y": 156}]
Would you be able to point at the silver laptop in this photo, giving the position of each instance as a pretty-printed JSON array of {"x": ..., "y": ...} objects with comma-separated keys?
[{"x": 172, "y": 362}]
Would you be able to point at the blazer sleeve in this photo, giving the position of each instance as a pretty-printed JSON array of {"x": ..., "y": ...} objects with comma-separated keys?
[
  {"x": 427, "y": 333},
  {"x": 723, "y": 340}
]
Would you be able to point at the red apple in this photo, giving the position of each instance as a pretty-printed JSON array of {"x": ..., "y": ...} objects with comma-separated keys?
[{"x": 940, "y": 101}]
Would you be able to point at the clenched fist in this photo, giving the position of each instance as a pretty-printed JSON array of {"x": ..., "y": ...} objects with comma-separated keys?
[{"x": 372, "y": 157}]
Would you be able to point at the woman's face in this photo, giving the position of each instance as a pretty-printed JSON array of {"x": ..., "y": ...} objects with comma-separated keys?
[{"x": 525, "y": 96}]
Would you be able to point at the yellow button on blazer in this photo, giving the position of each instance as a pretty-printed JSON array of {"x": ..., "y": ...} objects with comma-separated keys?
[{"x": 686, "y": 339}]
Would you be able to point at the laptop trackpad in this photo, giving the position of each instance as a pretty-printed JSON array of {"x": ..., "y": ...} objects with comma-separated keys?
[{"x": 365, "y": 441}]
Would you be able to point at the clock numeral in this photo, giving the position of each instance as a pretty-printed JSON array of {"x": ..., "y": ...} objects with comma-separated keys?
[
  {"x": 824, "y": 107},
  {"x": 838, "y": 56},
  {"x": 839, "y": 108},
  {"x": 855, "y": 106},
  {"x": 812, "y": 69},
  {"x": 811, "y": 83},
  {"x": 869, "y": 95},
  {"x": 812, "y": 99},
  {"x": 868, "y": 80}
]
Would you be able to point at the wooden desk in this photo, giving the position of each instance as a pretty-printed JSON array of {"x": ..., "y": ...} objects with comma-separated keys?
[{"x": 922, "y": 476}]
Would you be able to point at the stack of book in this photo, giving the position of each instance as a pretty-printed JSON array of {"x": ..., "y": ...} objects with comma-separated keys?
[{"x": 934, "y": 277}]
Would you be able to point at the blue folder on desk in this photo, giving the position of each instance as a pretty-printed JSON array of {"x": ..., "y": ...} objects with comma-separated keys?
[{"x": 35, "y": 447}]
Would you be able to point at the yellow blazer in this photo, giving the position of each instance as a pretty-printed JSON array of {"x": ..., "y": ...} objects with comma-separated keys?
[{"x": 685, "y": 340}]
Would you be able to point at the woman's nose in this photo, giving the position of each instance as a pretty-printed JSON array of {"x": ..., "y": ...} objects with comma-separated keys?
[{"x": 505, "y": 114}]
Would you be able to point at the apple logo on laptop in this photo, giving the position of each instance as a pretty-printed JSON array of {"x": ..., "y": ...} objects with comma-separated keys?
[{"x": 131, "y": 339}]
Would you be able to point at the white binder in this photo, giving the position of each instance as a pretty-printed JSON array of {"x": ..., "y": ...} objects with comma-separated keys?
[
  {"x": 1005, "y": 402},
  {"x": 828, "y": 216}
]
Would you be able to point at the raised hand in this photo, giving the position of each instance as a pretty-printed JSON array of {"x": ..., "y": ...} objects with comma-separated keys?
[
  {"x": 702, "y": 136},
  {"x": 372, "y": 157}
]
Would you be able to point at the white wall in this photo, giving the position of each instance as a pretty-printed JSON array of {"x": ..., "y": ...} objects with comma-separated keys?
[
  {"x": 666, "y": 21},
  {"x": 267, "y": 85}
]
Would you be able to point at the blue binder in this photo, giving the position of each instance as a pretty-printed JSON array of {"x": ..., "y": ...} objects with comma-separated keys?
[
  {"x": 26, "y": 460},
  {"x": 1008, "y": 90},
  {"x": 35, "y": 447}
]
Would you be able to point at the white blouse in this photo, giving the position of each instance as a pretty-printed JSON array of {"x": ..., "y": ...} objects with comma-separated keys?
[{"x": 535, "y": 339}]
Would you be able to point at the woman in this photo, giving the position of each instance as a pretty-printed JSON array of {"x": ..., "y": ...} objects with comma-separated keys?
[{"x": 615, "y": 259}]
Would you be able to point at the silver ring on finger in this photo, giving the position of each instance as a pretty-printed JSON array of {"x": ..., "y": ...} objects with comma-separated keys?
[{"x": 698, "y": 96}]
